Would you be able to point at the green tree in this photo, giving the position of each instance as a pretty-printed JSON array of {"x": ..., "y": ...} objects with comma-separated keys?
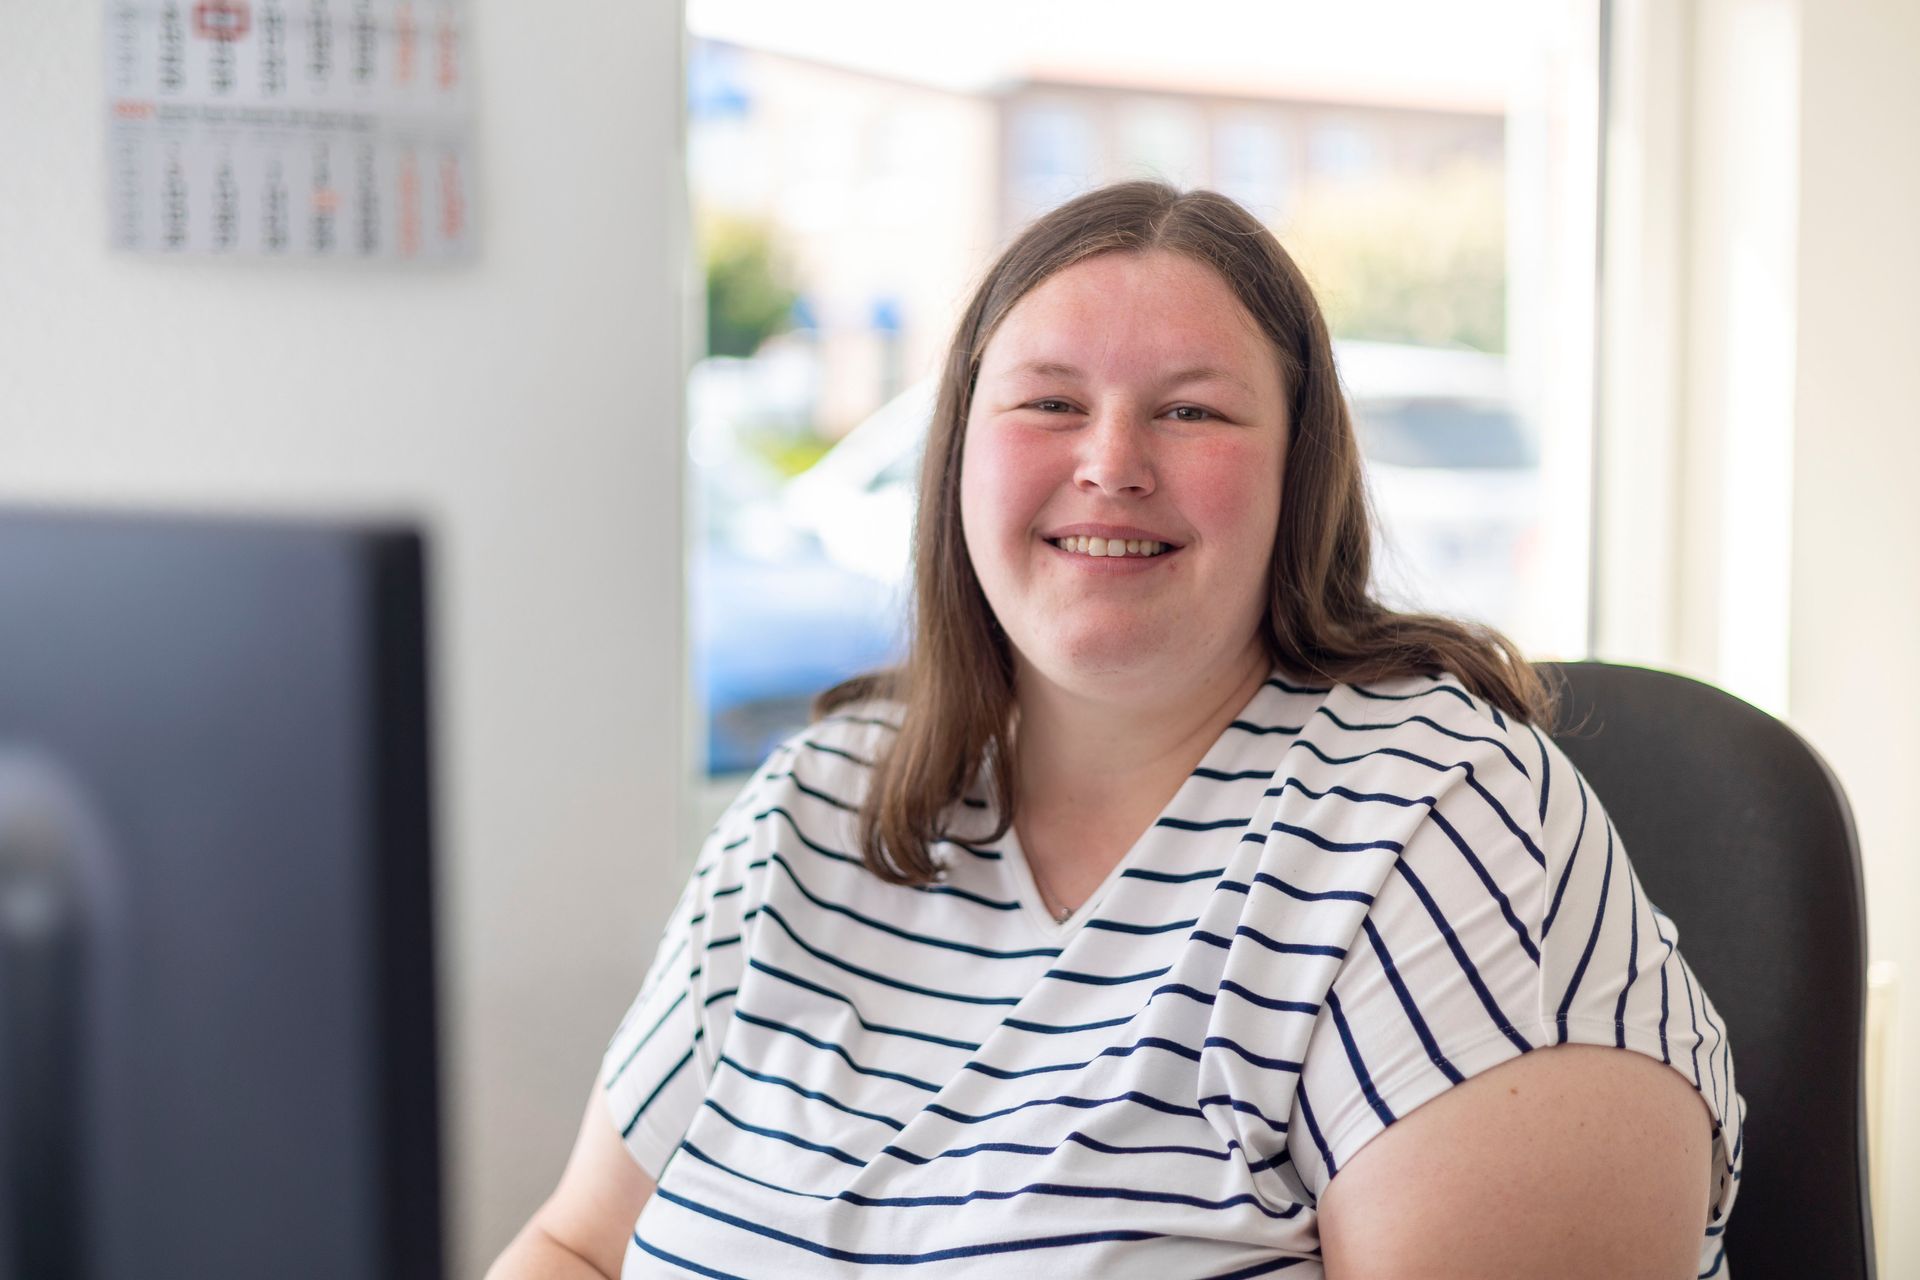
[
  {"x": 1417, "y": 258},
  {"x": 748, "y": 297}
]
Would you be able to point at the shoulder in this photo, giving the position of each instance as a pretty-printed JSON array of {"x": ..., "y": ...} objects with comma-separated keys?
[
  {"x": 1417, "y": 726},
  {"x": 814, "y": 781}
]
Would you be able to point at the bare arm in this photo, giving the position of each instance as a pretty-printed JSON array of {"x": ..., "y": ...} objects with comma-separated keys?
[
  {"x": 581, "y": 1232},
  {"x": 1574, "y": 1161}
]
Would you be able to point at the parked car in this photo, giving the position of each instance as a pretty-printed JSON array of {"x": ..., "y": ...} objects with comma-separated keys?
[{"x": 1452, "y": 467}]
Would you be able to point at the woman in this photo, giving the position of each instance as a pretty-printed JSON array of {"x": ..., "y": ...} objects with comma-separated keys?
[{"x": 1126, "y": 930}]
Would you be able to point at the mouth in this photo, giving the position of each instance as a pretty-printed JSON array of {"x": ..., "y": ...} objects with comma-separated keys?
[{"x": 1112, "y": 548}]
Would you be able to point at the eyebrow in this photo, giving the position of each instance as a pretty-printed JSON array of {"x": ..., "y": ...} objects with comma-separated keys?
[{"x": 1199, "y": 373}]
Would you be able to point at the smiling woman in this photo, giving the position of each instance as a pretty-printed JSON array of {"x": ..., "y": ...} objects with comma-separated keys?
[{"x": 1172, "y": 883}]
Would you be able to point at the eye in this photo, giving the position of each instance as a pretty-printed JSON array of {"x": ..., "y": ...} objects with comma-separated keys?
[
  {"x": 1053, "y": 406},
  {"x": 1190, "y": 413}
]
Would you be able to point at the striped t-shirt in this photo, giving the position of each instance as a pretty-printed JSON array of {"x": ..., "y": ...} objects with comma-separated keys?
[{"x": 1362, "y": 896}]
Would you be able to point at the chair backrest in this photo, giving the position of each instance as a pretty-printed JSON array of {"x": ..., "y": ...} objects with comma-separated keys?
[{"x": 1741, "y": 833}]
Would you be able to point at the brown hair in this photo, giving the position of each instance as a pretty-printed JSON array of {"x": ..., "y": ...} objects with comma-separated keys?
[{"x": 957, "y": 683}]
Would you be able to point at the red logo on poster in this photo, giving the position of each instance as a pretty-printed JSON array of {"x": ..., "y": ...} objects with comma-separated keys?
[{"x": 224, "y": 20}]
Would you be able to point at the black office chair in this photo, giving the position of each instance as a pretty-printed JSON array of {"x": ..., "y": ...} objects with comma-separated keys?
[{"x": 1742, "y": 835}]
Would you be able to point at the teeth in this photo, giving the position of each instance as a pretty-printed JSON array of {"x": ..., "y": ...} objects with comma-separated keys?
[{"x": 1110, "y": 546}]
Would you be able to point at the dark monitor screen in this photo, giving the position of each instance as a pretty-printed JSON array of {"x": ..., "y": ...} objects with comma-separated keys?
[{"x": 217, "y": 1008}]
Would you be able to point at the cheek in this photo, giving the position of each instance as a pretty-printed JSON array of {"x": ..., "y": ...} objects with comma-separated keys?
[
  {"x": 1231, "y": 490},
  {"x": 1005, "y": 479}
]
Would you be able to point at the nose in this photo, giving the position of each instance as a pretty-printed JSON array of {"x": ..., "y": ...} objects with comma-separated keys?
[{"x": 1115, "y": 455}]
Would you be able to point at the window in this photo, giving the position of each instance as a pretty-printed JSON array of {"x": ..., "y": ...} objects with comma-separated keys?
[{"x": 850, "y": 181}]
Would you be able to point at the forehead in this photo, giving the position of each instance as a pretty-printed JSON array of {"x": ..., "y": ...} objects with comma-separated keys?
[{"x": 1118, "y": 311}]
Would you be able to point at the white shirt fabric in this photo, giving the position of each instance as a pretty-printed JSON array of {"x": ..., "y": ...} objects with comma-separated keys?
[{"x": 1362, "y": 896}]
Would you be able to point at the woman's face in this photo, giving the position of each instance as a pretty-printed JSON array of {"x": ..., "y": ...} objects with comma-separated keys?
[{"x": 1129, "y": 397}]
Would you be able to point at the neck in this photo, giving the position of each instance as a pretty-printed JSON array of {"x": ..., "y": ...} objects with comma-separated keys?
[{"x": 1121, "y": 750}]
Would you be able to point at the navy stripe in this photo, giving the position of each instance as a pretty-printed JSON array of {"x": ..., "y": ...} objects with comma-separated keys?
[
  {"x": 694, "y": 1150},
  {"x": 1275, "y": 682},
  {"x": 1117, "y": 926},
  {"x": 837, "y": 856},
  {"x": 1258, "y": 1060},
  {"x": 1274, "y": 882},
  {"x": 1573, "y": 853},
  {"x": 1244, "y": 775},
  {"x": 1112, "y": 1051},
  {"x": 1659, "y": 933},
  {"x": 1313, "y": 1129},
  {"x": 1335, "y": 846},
  {"x": 1448, "y": 689},
  {"x": 782, "y": 1135},
  {"x": 1407, "y": 1003},
  {"x": 685, "y": 1058},
  {"x": 1698, "y": 1039},
  {"x": 1348, "y": 793},
  {"x": 621, "y": 1069},
  {"x": 1172, "y": 988},
  {"x": 674, "y": 1259},
  {"x": 814, "y": 1094},
  {"x": 878, "y": 1028},
  {"x": 899, "y": 1259},
  {"x": 1633, "y": 964},
  {"x": 1593, "y": 939},
  {"x": 1033, "y": 1149},
  {"x": 1069, "y": 1191},
  {"x": 1546, "y": 774},
  {"x": 1359, "y": 1065},
  {"x": 1500, "y": 1019},
  {"x": 1268, "y": 1002},
  {"x": 908, "y": 935},
  {"x": 1437, "y": 727},
  {"x": 1271, "y": 944},
  {"x": 1182, "y": 824},
  {"x": 1248, "y": 727},
  {"x": 836, "y": 751},
  {"x": 755, "y": 1020},
  {"x": 1467, "y": 772},
  {"x": 1170, "y": 877},
  {"x": 1101, "y": 979},
  {"x": 842, "y": 805},
  {"x": 1021, "y": 1024},
  {"x": 1491, "y": 885},
  {"x": 881, "y": 978},
  {"x": 1134, "y": 1096},
  {"x": 1232, "y": 1103}
]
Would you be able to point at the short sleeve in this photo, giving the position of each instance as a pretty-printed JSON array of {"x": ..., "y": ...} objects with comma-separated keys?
[
  {"x": 656, "y": 1068},
  {"x": 1511, "y": 920}
]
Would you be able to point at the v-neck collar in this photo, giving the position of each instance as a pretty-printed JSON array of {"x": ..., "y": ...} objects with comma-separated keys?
[{"x": 1013, "y": 855}]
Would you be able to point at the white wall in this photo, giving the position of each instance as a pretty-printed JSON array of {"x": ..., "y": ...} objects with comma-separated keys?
[
  {"x": 1855, "y": 638},
  {"x": 526, "y": 404},
  {"x": 1759, "y": 526}
]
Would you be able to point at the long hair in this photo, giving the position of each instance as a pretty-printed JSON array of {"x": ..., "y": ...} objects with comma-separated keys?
[{"x": 957, "y": 683}]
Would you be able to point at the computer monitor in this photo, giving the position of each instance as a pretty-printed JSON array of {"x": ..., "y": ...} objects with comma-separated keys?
[{"x": 217, "y": 1008}]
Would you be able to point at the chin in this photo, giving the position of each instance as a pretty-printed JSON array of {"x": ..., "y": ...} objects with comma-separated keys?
[{"x": 1096, "y": 662}]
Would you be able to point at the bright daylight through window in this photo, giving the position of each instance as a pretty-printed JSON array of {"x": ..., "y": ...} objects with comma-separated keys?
[{"x": 1432, "y": 168}]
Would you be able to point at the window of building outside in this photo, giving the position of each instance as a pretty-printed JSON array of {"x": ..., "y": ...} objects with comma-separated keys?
[{"x": 852, "y": 174}]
